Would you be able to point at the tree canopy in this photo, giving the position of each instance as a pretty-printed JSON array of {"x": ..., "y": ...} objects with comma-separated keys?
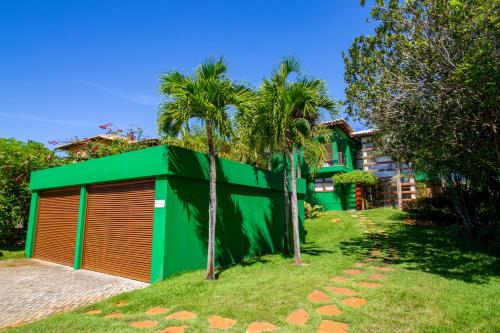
[{"x": 428, "y": 79}]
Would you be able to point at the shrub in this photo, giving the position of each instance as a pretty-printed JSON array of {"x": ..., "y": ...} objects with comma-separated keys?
[
  {"x": 439, "y": 209},
  {"x": 311, "y": 211}
]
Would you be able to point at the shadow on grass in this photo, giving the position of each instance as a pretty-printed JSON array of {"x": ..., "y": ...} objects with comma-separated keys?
[
  {"x": 313, "y": 249},
  {"x": 433, "y": 250}
]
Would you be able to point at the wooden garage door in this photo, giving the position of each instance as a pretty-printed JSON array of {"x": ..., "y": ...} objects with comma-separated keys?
[
  {"x": 56, "y": 224},
  {"x": 119, "y": 229}
]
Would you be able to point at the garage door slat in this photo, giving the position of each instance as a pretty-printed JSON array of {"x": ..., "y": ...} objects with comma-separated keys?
[
  {"x": 119, "y": 229},
  {"x": 56, "y": 224}
]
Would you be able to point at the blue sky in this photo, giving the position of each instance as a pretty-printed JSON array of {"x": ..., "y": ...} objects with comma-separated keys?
[{"x": 68, "y": 66}]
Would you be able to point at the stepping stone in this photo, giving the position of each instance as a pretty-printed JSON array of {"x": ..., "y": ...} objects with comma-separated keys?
[
  {"x": 336, "y": 220},
  {"x": 318, "y": 297},
  {"x": 342, "y": 291},
  {"x": 375, "y": 253},
  {"x": 298, "y": 317},
  {"x": 182, "y": 315},
  {"x": 354, "y": 302},
  {"x": 353, "y": 271},
  {"x": 121, "y": 303},
  {"x": 155, "y": 311},
  {"x": 328, "y": 310},
  {"x": 93, "y": 312},
  {"x": 368, "y": 284},
  {"x": 261, "y": 326},
  {"x": 359, "y": 264},
  {"x": 329, "y": 326},
  {"x": 369, "y": 259},
  {"x": 339, "y": 279},
  {"x": 115, "y": 315},
  {"x": 144, "y": 324},
  {"x": 175, "y": 329},
  {"x": 221, "y": 323},
  {"x": 376, "y": 277},
  {"x": 383, "y": 268}
]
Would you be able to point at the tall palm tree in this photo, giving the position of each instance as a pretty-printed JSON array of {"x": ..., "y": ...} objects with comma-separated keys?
[
  {"x": 288, "y": 112},
  {"x": 207, "y": 96},
  {"x": 304, "y": 99}
]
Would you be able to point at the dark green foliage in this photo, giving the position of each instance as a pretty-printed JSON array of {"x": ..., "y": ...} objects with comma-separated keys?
[
  {"x": 17, "y": 160},
  {"x": 428, "y": 79},
  {"x": 439, "y": 209}
]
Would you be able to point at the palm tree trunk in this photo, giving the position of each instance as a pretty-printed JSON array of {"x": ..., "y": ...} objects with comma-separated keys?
[
  {"x": 299, "y": 170},
  {"x": 212, "y": 210},
  {"x": 286, "y": 197},
  {"x": 295, "y": 211}
]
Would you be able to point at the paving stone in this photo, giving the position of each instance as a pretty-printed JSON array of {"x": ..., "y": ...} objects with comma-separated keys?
[
  {"x": 93, "y": 312},
  {"x": 155, "y": 311},
  {"x": 144, "y": 324},
  {"x": 354, "y": 302},
  {"x": 353, "y": 271},
  {"x": 33, "y": 289},
  {"x": 341, "y": 291},
  {"x": 336, "y": 220},
  {"x": 368, "y": 284},
  {"x": 222, "y": 323},
  {"x": 121, "y": 303},
  {"x": 115, "y": 315},
  {"x": 182, "y": 315},
  {"x": 261, "y": 326},
  {"x": 318, "y": 297},
  {"x": 329, "y": 326},
  {"x": 376, "y": 277},
  {"x": 298, "y": 317},
  {"x": 359, "y": 264},
  {"x": 328, "y": 310},
  {"x": 175, "y": 329},
  {"x": 340, "y": 279}
]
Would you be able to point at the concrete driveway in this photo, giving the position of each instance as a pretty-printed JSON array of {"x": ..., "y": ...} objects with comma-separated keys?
[{"x": 32, "y": 289}]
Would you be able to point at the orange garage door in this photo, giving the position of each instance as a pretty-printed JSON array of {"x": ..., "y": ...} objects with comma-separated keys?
[
  {"x": 119, "y": 229},
  {"x": 56, "y": 223}
]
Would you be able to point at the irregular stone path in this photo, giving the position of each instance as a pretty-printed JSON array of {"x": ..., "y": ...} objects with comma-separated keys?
[{"x": 298, "y": 317}]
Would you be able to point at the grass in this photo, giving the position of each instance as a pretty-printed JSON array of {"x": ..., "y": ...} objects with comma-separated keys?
[
  {"x": 11, "y": 253},
  {"x": 439, "y": 284}
]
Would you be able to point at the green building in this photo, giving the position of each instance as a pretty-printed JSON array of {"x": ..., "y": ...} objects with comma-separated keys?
[
  {"x": 342, "y": 152},
  {"x": 144, "y": 214}
]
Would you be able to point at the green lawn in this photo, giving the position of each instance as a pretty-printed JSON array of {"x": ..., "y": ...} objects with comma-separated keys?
[
  {"x": 11, "y": 253},
  {"x": 439, "y": 284}
]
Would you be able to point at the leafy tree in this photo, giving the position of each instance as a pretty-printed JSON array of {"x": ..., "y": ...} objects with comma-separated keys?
[
  {"x": 428, "y": 79},
  {"x": 17, "y": 160},
  {"x": 207, "y": 96}
]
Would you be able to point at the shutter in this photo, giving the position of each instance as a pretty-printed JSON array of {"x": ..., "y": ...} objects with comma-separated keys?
[
  {"x": 119, "y": 229},
  {"x": 56, "y": 225}
]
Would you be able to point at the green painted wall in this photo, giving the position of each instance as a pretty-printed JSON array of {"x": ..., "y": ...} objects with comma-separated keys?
[
  {"x": 30, "y": 235},
  {"x": 250, "y": 205}
]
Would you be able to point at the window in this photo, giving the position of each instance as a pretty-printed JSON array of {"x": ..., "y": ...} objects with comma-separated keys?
[{"x": 323, "y": 185}]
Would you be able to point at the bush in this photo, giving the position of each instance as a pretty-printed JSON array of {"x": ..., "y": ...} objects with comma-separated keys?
[
  {"x": 311, "y": 211},
  {"x": 439, "y": 209}
]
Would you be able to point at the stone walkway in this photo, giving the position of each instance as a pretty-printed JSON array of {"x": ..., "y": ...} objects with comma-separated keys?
[
  {"x": 32, "y": 289},
  {"x": 326, "y": 299}
]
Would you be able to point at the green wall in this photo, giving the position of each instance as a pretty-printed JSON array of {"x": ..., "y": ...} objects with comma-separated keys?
[{"x": 250, "y": 205}]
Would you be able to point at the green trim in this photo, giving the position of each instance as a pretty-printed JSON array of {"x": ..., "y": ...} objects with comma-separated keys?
[
  {"x": 80, "y": 229},
  {"x": 30, "y": 236},
  {"x": 159, "y": 254}
]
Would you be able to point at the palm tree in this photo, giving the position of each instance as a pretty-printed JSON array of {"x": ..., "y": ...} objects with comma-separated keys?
[
  {"x": 207, "y": 96},
  {"x": 288, "y": 112},
  {"x": 304, "y": 99}
]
